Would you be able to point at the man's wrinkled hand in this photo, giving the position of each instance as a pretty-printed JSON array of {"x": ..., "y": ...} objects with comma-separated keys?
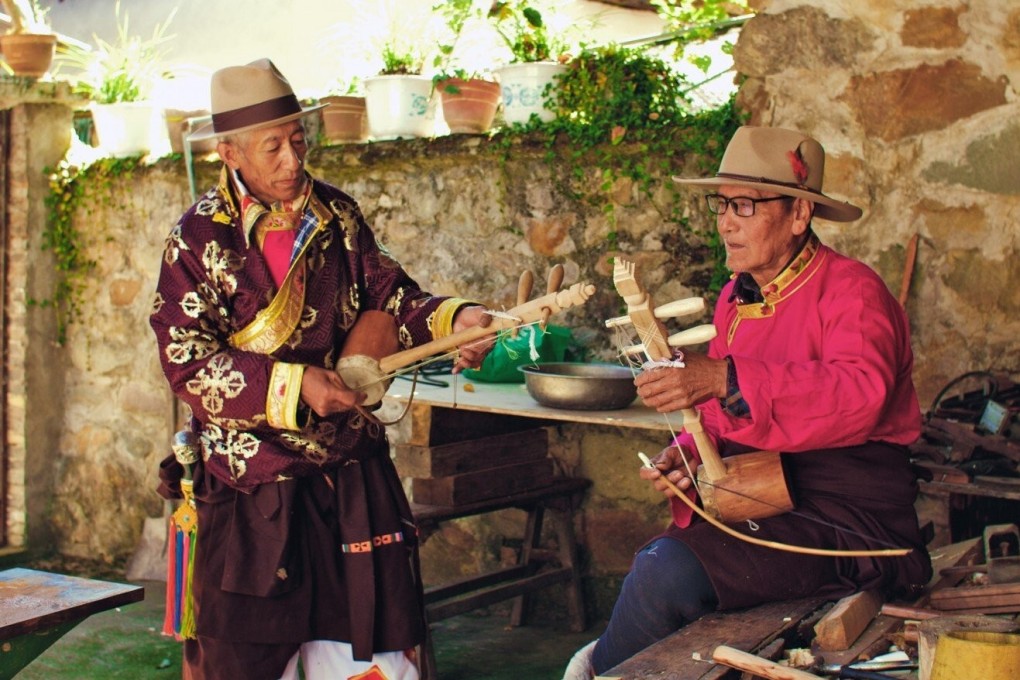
[
  {"x": 472, "y": 354},
  {"x": 674, "y": 389},
  {"x": 324, "y": 392},
  {"x": 669, "y": 464}
]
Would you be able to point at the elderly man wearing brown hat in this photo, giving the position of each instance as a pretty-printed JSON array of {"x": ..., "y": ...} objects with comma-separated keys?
[
  {"x": 811, "y": 359},
  {"x": 306, "y": 546}
]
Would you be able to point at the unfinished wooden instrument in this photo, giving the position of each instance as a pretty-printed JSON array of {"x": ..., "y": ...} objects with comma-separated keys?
[
  {"x": 364, "y": 368},
  {"x": 737, "y": 488}
]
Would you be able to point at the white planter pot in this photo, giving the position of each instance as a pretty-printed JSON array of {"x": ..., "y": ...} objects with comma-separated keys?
[
  {"x": 125, "y": 129},
  {"x": 524, "y": 86},
  {"x": 400, "y": 106}
]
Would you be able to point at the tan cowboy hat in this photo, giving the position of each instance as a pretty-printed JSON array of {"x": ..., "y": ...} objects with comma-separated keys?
[
  {"x": 247, "y": 97},
  {"x": 784, "y": 161}
]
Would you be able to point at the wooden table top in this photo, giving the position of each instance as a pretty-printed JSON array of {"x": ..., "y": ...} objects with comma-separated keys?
[
  {"x": 33, "y": 600},
  {"x": 513, "y": 399}
]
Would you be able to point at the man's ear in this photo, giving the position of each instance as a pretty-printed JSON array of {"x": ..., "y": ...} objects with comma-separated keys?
[
  {"x": 803, "y": 210},
  {"x": 228, "y": 154}
]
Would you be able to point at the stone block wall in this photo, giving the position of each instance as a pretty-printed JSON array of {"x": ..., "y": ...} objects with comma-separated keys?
[{"x": 916, "y": 104}]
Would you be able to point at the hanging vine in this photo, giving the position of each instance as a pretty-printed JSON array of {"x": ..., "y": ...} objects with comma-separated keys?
[{"x": 71, "y": 189}]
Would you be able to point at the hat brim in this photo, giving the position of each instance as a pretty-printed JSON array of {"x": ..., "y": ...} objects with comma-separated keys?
[
  {"x": 825, "y": 207},
  {"x": 207, "y": 131}
]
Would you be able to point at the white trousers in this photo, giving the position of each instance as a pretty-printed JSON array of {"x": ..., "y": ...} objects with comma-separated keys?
[{"x": 330, "y": 660}]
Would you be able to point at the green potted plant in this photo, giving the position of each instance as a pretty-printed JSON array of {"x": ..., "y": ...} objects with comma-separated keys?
[
  {"x": 28, "y": 47},
  {"x": 119, "y": 77},
  {"x": 537, "y": 59},
  {"x": 468, "y": 96}
]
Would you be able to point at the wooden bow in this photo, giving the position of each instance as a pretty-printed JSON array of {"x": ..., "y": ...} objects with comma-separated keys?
[
  {"x": 743, "y": 487},
  {"x": 372, "y": 375}
]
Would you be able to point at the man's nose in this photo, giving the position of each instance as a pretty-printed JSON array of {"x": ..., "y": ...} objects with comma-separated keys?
[
  {"x": 724, "y": 222},
  {"x": 293, "y": 157}
]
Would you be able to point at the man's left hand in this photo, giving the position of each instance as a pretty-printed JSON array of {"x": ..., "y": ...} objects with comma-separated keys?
[
  {"x": 672, "y": 389},
  {"x": 472, "y": 354}
]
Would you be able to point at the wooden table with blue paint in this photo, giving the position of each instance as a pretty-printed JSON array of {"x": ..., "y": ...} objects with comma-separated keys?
[{"x": 37, "y": 608}]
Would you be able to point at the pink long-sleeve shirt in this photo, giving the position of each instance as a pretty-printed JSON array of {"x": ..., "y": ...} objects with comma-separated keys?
[{"x": 825, "y": 362}]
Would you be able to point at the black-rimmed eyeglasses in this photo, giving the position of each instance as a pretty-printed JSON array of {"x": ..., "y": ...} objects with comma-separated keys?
[{"x": 743, "y": 206}]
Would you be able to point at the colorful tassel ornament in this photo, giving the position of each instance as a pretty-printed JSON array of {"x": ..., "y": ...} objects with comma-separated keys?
[{"x": 179, "y": 618}]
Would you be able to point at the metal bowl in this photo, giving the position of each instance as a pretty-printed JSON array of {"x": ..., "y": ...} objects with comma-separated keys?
[{"x": 579, "y": 386}]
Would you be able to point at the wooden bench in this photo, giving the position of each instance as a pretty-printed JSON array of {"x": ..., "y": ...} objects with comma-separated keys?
[
  {"x": 560, "y": 498},
  {"x": 37, "y": 608},
  {"x": 687, "y": 653}
]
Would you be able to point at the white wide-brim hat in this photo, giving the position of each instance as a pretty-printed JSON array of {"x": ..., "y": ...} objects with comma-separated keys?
[
  {"x": 248, "y": 97},
  {"x": 784, "y": 161}
]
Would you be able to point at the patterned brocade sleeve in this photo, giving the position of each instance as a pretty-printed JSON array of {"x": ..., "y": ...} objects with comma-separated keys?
[{"x": 222, "y": 386}]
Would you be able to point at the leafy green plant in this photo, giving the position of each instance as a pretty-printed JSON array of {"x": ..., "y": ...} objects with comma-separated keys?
[
  {"x": 125, "y": 70},
  {"x": 626, "y": 114},
  {"x": 693, "y": 21},
  {"x": 401, "y": 59},
  {"x": 27, "y": 16},
  {"x": 72, "y": 188},
  {"x": 449, "y": 62},
  {"x": 521, "y": 26}
]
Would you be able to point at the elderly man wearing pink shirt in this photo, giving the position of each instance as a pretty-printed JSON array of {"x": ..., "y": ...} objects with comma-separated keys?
[{"x": 812, "y": 359}]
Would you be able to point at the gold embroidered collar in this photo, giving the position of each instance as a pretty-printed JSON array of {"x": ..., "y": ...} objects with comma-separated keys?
[{"x": 789, "y": 281}]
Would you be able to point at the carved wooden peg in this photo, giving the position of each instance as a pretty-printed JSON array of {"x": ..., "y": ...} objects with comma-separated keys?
[
  {"x": 678, "y": 308},
  {"x": 524, "y": 286},
  {"x": 553, "y": 284}
]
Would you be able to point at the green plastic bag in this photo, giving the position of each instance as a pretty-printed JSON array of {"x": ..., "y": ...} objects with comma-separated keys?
[{"x": 500, "y": 366}]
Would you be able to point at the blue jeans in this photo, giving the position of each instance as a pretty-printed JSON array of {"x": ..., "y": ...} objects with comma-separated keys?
[{"x": 666, "y": 589}]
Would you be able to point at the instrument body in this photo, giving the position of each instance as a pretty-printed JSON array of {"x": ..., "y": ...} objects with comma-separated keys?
[
  {"x": 368, "y": 368},
  {"x": 736, "y": 488}
]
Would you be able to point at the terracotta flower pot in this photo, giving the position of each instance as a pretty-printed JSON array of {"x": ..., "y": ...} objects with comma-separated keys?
[
  {"x": 469, "y": 105},
  {"x": 176, "y": 124},
  {"x": 28, "y": 54},
  {"x": 344, "y": 119}
]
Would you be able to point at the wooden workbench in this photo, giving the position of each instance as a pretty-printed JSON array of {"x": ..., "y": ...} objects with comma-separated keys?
[{"x": 512, "y": 399}]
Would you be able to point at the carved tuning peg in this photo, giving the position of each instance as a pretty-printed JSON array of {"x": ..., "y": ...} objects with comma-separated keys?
[
  {"x": 553, "y": 284},
  {"x": 692, "y": 336},
  {"x": 524, "y": 286},
  {"x": 678, "y": 308}
]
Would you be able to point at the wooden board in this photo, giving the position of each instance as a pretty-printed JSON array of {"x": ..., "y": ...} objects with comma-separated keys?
[
  {"x": 746, "y": 630},
  {"x": 844, "y": 623},
  {"x": 471, "y": 487},
  {"x": 32, "y": 600},
  {"x": 426, "y": 462},
  {"x": 973, "y": 598},
  {"x": 512, "y": 399},
  {"x": 875, "y": 638},
  {"x": 431, "y": 426}
]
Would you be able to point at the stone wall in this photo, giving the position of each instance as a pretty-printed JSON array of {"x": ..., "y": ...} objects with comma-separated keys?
[{"x": 914, "y": 102}]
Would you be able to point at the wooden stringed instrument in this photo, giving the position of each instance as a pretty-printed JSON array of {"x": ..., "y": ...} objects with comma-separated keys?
[
  {"x": 735, "y": 488},
  {"x": 369, "y": 360}
]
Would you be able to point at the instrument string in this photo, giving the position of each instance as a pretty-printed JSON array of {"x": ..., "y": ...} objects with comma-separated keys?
[
  {"x": 451, "y": 354},
  {"x": 623, "y": 341}
]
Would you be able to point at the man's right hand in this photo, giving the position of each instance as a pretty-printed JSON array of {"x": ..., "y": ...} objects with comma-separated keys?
[
  {"x": 669, "y": 464},
  {"x": 325, "y": 392}
]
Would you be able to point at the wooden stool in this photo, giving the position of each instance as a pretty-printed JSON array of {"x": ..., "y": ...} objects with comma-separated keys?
[{"x": 444, "y": 601}]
